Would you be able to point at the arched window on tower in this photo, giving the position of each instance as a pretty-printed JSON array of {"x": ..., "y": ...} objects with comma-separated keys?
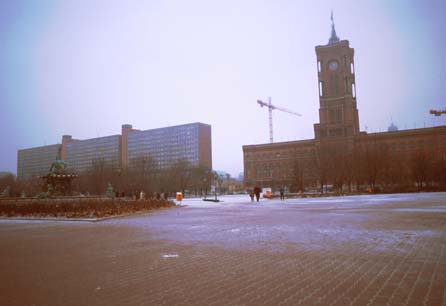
[
  {"x": 352, "y": 68},
  {"x": 353, "y": 90},
  {"x": 321, "y": 88},
  {"x": 334, "y": 84},
  {"x": 319, "y": 66}
]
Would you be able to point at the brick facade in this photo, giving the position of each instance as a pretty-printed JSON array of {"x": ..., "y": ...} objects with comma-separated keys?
[{"x": 340, "y": 154}]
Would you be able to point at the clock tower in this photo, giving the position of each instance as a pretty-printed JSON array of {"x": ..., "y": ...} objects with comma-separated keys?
[{"x": 338, "y": 113}]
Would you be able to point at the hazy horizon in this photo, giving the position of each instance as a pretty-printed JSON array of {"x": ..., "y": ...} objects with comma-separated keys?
[{"x": 84, "y": 68}]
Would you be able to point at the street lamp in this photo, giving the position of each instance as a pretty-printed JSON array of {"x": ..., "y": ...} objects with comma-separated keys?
[
  {"x": 205, "y": 187},
  {"x": 216, "y": 183}
]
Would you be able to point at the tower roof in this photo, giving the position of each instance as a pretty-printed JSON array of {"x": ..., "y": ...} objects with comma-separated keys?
[{"x": 333, "y": 38}]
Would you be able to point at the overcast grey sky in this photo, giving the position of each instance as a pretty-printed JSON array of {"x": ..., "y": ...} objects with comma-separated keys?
[{"x": 85, "y": 67}]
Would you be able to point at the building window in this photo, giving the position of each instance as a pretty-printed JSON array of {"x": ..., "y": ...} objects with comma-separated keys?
[
  {"x": 321, "y": 88},
  {"x": 335, "y": 115},
  {"x": 346, "y": 85},
  {"x": 353, "y": 90},
  {"x": 352, "y": 68},
  {"x": 334, "y": 84},
  {"x": 319, "y": 66}
]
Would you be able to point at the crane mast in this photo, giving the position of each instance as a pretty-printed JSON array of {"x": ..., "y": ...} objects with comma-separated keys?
[{"x": 270, "y": 114}]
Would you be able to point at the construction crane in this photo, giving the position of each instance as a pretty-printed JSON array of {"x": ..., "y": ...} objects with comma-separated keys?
[
  {"x": 270, "y": 111},
  {"x": 437, "y": 112}
]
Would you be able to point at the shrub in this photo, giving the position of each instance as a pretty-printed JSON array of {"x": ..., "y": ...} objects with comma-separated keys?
[{"x": 77, "y": 207}]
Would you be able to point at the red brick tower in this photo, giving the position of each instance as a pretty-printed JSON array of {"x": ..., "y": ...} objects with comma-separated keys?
[{"x": 338, "y": 114}]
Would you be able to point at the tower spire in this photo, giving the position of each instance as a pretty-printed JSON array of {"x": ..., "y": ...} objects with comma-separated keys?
[{"x": 334, "y": 38}]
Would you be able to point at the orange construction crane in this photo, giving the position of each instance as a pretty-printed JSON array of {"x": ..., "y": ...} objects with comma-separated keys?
[{"x": 270, "y": 110}]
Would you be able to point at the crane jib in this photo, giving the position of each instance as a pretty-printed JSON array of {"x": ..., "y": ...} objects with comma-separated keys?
[{"x": 270, "y": 117}]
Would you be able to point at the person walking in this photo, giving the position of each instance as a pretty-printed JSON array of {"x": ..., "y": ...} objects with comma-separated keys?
[
  {"x": 257, "y": 191},
  {"x": 282, "y": 193},
  {"x": 251, "y": 195}
]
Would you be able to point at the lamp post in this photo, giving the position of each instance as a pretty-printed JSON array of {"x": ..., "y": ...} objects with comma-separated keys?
[
  {"x": 205, "y": 187},
  {"x": 215, "y": 183}
]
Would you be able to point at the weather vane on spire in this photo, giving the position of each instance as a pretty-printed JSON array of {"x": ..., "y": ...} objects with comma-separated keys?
[{"x": 334, "y": 38}]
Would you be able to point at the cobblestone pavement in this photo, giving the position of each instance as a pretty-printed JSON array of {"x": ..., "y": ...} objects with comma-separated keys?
[{"x": 359, "y": 250}]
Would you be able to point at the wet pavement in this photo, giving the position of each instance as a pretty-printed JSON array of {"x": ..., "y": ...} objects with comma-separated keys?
[{"x": 356, "y": 250}]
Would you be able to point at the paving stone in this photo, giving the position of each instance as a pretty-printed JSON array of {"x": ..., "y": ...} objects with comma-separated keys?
[{"x": 281, "y": 255}]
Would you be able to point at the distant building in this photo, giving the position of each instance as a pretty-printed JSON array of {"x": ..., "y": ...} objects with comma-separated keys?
[
  {"x": 191, "y": 142},
  {"x": 392, "y": 128},
  {"x": 340, "y": 153},
  {"x": 227, "y": 184},
  {"x": 82, "y": 155},
  {"x": 36, "y": 161}
]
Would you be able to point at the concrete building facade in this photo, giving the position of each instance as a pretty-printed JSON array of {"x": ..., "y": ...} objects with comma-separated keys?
[
  {"x": 340, "y": 153},
  {"x": 191, "y": 142},
  {"x": 36, "y": 161},
  {"x": 82, "y": 155}
]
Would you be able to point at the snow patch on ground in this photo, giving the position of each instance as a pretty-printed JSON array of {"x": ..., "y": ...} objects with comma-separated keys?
[{"x": 170, "y": 255}]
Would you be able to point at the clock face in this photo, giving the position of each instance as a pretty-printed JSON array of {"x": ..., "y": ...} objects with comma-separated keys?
[{"x": 333, "y": 65}]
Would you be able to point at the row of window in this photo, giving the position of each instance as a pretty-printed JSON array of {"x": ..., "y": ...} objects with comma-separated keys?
[
  {"x": 278, "y": 155},
  {"x": 176, "y": 133},
  {"x": 36, "y": 161},
  {"x": 404, "y": 145},
  {"x": 334, "y": 87}
]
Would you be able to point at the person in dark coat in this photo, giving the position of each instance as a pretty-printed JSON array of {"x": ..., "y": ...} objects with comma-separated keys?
[
  {"x": 257, "y": 192},
  {"x": 282, "y": 193}
]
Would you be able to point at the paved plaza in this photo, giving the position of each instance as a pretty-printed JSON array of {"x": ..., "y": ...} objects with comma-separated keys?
[{"x": 356, "y": 250}]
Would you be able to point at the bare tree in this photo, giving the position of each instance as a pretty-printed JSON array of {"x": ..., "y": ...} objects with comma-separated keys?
[
  {"x": 7, "y": 180},
  {"x": 97, "y": 177},
  {"x": 181, "y": 174},
  {"x": 439, "y": 170},
  {"x": 420, "y": 165},
  {"x": 142, "y": 174},
  {"x": 200, "y": 181}
]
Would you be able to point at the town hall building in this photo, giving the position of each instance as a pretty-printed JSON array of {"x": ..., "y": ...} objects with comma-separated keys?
[{"x": 340, "y": 155}]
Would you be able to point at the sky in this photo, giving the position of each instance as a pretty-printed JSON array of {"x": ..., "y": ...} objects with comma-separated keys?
[{"x": 86, "y": 67}]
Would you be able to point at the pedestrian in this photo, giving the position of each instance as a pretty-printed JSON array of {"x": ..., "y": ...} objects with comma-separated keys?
[
  {"x": 257, "y": 191},
  {"x": 251, "y": 195},
  {"x": 282, "y": 193}
]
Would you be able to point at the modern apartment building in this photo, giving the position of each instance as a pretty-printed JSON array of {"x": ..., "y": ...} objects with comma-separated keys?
[
  {"x": 36, "y": 161},
  {"x": 165, "y": 146},
  {"x": 191, "y": 142},
  {"x": 82, "y": 155}
]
